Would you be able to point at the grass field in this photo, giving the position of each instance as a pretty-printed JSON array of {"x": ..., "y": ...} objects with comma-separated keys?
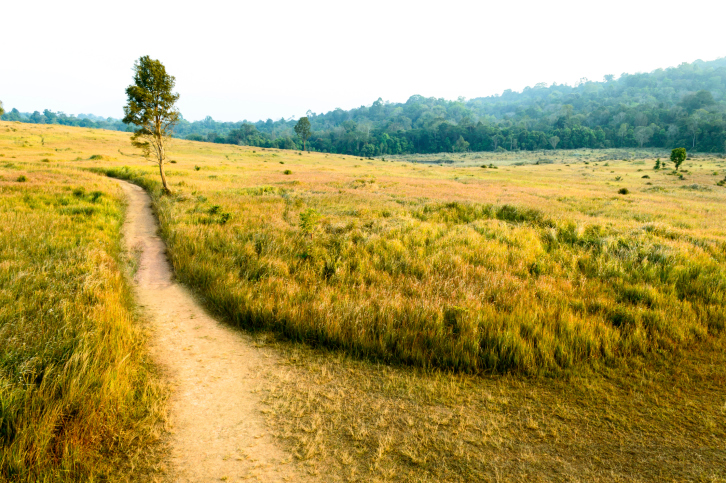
[
  {"x": 558, "y": 330},
  {"x": 528, "y": 268},
  {"x": 78, "y": 399}
]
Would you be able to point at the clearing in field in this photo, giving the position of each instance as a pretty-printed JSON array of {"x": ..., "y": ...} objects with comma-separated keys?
[{"x": 478, "y": 317}]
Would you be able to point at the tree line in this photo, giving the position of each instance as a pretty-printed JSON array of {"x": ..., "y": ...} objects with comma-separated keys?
[{"x": 679, "y": 106}]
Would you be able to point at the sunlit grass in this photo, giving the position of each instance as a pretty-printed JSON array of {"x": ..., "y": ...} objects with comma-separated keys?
[
  {"x": 527, "y": 267},
  {"x": 454, "y": 266},
  {"x": 78, "y": 399}
]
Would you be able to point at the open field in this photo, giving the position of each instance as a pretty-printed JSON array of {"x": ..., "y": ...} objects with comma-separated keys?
[
  {"x": 535, "y": 324},
  {"x": 526, "y": 268},
  {"x": 78, "y": 398}
]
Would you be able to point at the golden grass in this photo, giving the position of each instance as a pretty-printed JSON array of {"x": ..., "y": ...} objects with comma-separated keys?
[
  {"x": 454, "y": 279},
  {"x": 522, "y": 271},
  {"x": 79, "y": 400}
]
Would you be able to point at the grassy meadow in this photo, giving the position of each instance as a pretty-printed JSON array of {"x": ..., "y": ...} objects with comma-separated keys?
[
  {"x": 469, "y": 317},
  {"x": 78, "y": 399},
  {"x": 528, "y": 268}
]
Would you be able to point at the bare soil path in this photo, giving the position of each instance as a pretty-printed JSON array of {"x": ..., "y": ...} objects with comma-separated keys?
[{"x": 218, "y": 432}]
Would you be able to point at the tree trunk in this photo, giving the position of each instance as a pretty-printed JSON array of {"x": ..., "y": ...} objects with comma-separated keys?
[{"x": 163, "y": 177}]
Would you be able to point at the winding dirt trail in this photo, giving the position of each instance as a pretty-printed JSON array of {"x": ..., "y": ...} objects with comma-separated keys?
[{"x": 218, "y": 433}]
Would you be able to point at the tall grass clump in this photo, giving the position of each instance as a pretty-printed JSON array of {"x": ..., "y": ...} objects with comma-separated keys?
[
  {"x": 448, "y": 284},
  {"x": 78, "y": 398}
]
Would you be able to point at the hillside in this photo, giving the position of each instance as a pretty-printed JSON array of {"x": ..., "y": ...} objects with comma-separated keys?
[{"x": 680, "y": 106}]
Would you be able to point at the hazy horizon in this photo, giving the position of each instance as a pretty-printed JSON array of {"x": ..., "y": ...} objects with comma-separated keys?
[{"x": 254, "y": 62}]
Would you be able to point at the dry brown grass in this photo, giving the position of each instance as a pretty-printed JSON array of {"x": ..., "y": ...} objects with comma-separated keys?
[
  {"x": 652, "y": 415},
  {"x": 653, "y": 421}
]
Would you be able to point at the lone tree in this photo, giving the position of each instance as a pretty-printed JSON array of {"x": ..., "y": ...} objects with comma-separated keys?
[
  {"x": 2, "y": 111},
  {"x": 678, "y": 155},
  {"x": 151, "y": 109},
  {"x": 303, "y": 130},
  {"x": 553, "y": 141}
]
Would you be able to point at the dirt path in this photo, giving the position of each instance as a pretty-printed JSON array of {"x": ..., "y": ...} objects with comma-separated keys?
[{"x": 218, "y": 433}]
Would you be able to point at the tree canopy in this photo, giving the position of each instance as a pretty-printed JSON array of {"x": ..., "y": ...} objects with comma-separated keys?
[
  {"x": 666, "y": 108},
  {"x": 303, "y": 130},
  {"x": 678, "y": 155},
  {"x": 151, "y": 109}
]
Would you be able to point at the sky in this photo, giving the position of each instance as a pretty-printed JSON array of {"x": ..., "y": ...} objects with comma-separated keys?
[{"x": 259, "y": 60}]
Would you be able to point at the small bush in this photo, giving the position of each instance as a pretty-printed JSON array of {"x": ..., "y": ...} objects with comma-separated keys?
[
  {"x": 79, "y": 192},
  {"x": 197, "y": 168},
  {"x": 308, "y": 221},
  {"x": 22, "y": 179},
  {"x": 287, "y": 171},
  {"x": 623, "y": 191},
  {"x": 96, "y": 157},
  {"x": 646, "y": 177}
]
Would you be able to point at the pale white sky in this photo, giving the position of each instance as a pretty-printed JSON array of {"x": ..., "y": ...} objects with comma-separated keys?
[{"x": 254, "y": 60}]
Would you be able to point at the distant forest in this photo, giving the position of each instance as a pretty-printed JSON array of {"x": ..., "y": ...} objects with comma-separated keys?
[{"x": 680, "y": 106}]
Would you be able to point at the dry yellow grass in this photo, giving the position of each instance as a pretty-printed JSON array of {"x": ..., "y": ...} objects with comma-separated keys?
[
  {"x": 527, "y": 254},
  {"x": 79, "y": 400}
]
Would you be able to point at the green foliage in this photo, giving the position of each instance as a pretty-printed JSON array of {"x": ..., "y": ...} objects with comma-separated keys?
[
  {"x": 2, "y": 110},
  {"x": 589, "y": 115},
  {"x": 678, "y": 155},
  {"x": 308, "y": 221},
  {"x": 657, "y": 164},
  {"x": 461, "y": 145},
  {"x": 287, "y": 171},
  {"x": 623, "y": 191},
  {"x": 303, "y": 129},
  {"x": 22, "y": 178},
  {"x": 151, "y": 109}
]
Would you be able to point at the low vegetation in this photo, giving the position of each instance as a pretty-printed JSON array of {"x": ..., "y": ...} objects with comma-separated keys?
[
  {"x": 535, "y": 325},
  {"x": 444, "y": 282},
  {"x": 78, "y": 398}
]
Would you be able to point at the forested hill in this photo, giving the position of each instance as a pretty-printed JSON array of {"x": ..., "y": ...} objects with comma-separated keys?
[{"x": 681, "y": 106}]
